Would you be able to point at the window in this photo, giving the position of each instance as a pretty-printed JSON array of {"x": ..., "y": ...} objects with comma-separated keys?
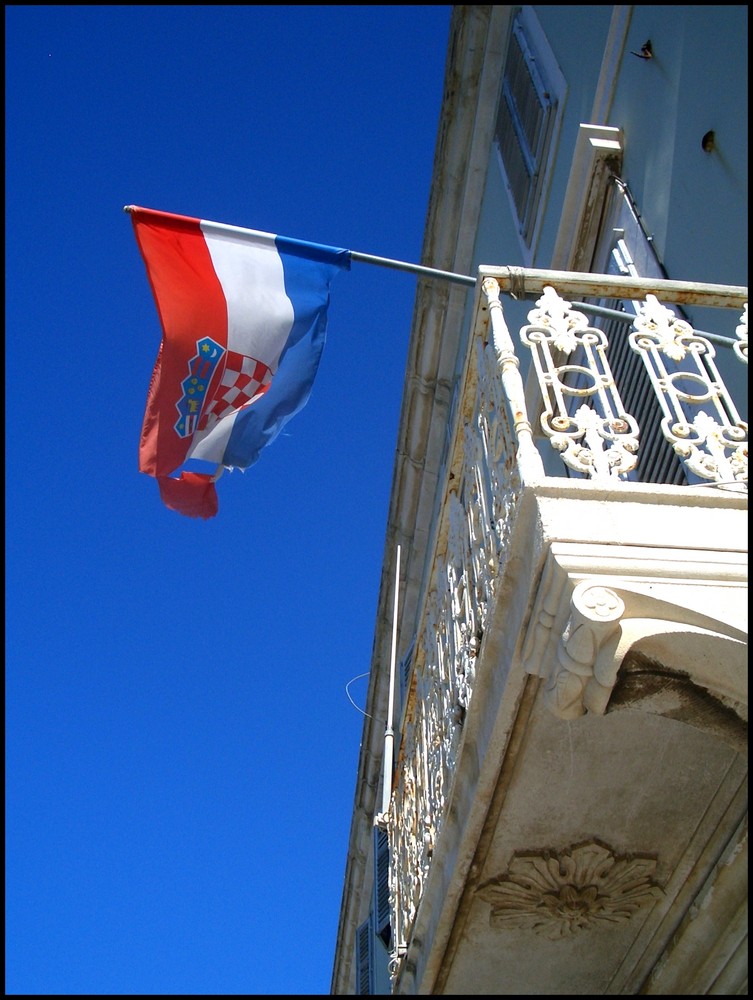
[{"x": 527, "y": 119}]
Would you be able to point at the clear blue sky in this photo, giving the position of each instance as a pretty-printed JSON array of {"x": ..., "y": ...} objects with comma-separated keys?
[{"x": 181, "y": 751}]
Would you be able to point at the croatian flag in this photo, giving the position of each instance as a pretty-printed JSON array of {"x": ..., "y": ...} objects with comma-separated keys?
[{"x": 244, "y": 320}]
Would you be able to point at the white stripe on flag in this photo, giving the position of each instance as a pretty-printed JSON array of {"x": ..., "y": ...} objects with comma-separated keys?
[
  {"x": 209, "y": 445},
  {"x": 260, "y": 314}
]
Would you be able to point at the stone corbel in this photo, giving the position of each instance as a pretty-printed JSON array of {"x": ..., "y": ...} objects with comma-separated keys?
[
  {"x": 593, "y": 629},
  {"x": 596, "y": 605}
]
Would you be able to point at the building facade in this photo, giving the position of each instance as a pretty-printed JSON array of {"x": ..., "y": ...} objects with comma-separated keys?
[{"x": 557, "y": 801}]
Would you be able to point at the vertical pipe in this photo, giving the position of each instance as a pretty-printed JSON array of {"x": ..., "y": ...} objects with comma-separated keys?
[{"x": 389, "y": 734}]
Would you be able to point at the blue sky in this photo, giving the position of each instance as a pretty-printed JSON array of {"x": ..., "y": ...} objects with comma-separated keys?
[{"x": 181, "y": 750}]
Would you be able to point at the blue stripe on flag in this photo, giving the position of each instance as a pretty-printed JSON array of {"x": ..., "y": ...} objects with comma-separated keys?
[
  {"x": 308, "y": 272},
  {"x": 313, "y": 251}
]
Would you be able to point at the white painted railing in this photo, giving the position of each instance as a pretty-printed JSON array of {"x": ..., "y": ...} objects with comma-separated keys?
[{"x": 584, "y": 419}]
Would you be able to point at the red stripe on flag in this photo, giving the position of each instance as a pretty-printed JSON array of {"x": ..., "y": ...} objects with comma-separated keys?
[
  {"x": 191, "y": 305},
  {"x": 194, "y": 494}
]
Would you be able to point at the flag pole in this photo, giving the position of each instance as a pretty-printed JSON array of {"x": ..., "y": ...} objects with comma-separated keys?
[
  {"x": 402, "y": 265},
  {"x": 527, "y": 282},
  {"x": 389, "y": 733}
]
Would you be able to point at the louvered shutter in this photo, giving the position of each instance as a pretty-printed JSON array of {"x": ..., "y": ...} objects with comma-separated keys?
[
  {"x": 364, "y": 962},
  {"x": 382, "y": 886},
  {"x": 523, "y": 128},
  {"x": 404, "y": 671}
]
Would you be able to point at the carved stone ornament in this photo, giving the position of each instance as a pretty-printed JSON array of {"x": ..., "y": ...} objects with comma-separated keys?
[
  {"x": 557, "y": 894},
  {"x": 572, "y": 687}
]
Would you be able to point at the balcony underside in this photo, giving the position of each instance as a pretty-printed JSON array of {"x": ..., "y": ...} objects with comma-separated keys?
[{"x": 593, "y": 839}]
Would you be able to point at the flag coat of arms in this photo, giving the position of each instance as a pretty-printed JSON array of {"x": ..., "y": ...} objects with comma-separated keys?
[{"x": 244, "y": 319}]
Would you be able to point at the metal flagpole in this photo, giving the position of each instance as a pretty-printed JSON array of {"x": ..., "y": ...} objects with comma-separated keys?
[
  {"x": 402, "y": 265},
  {"x": 526, "y": 282},
  {"x": 389, "y": 733}
]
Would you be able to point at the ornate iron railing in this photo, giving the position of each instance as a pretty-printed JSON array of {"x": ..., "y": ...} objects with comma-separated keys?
[{"x": 493, "y": 451}]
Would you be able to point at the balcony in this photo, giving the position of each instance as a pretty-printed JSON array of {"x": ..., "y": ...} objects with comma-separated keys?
[{"x": 585, "y": 586}]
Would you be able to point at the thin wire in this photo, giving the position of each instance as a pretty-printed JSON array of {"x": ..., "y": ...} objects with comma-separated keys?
[
  {"x": 357, "y": 678},
  {"x": 724, "y": 483}
]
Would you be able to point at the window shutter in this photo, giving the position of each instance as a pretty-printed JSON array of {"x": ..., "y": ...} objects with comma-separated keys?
[
  {"x": 382, "y": 885},
  {"x": 523, "y": 128},
  {"x": 364, "y": 963},
  {"x": 406, "y": 665}
]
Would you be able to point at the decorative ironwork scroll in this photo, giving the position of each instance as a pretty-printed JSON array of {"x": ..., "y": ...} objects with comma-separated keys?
[
  {"x": 741, "y": 347},
  {"x": 700, "y": 419},
  {"x": 478, "y": 515},
  {"x": 599, "y": 439}
]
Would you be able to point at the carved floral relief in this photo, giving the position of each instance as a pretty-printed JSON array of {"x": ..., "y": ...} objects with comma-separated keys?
[{"x": 557, "y": 894}]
